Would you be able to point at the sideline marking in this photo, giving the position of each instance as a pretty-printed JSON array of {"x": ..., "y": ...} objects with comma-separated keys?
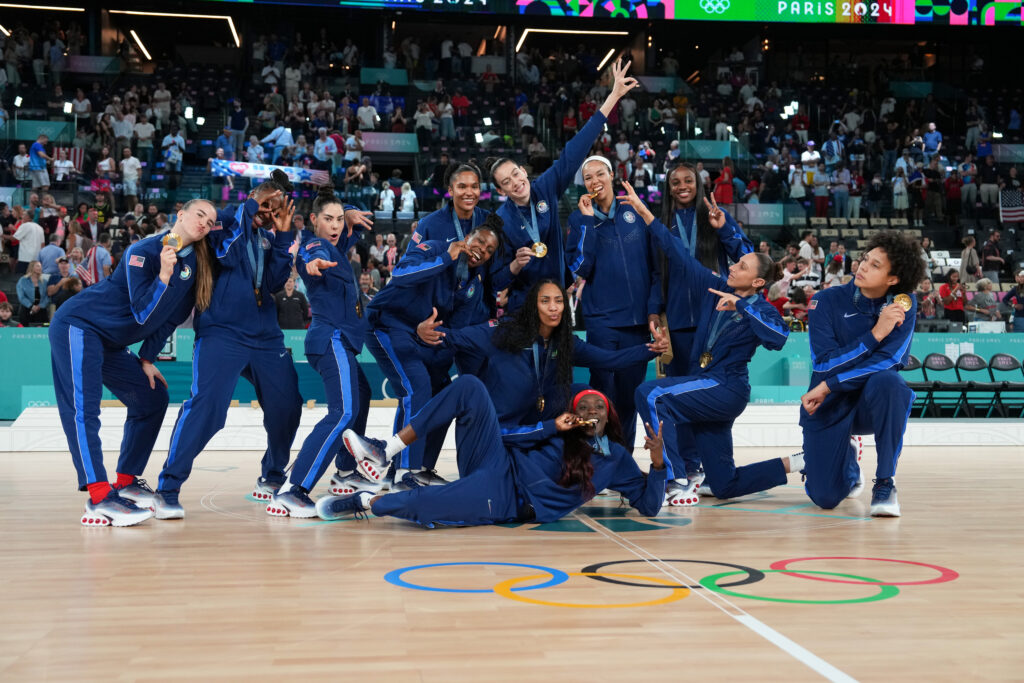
[{"x": 787, "y": 645}]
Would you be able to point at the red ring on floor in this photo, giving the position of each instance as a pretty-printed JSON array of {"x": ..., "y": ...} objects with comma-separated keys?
[{"x": 945, "y": 574}]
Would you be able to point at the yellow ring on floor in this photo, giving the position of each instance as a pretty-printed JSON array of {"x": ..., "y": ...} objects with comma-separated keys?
[{"x": 505, "y": 590}]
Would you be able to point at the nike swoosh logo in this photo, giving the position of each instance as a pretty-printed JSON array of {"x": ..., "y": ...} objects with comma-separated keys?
[
  {"x": 849, "y": 315},
  {"x": 450, "y": 239},
  {"x": 283, "y": 354}
]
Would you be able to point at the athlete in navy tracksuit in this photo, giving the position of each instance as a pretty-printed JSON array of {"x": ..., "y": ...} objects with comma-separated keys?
[
  {"x": 239, "y": 336},
  {"x": 732, "y": 321},
  {"x": 427, "y": 281},
  {"x": 516, "y": 381},
  {"x": 151, "y": 292},
  {"x": 685, "y": 221},
  {"x": 333, "y": 342},
  {"x": 506, "y": 477},
  {"x": 860, "y": 339},
  {"x": 531, "y": 214},
  {"x": 609, "y": 247}
]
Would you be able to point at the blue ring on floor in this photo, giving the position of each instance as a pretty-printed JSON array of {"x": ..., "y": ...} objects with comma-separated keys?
[{"x": 395, "y": 577}]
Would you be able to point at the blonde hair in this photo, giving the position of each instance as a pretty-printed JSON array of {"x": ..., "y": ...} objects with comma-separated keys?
[
  {"x": 204, "y": 263},
  {"x": 984, "y": 284}
]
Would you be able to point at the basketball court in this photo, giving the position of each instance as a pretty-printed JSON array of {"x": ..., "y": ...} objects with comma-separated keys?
[{"x": 766, "y": 587}]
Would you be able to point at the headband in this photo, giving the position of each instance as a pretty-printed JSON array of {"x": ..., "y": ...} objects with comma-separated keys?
[
  {"x": 590, "y": 392},
  {"x": 597, "y": 157}
]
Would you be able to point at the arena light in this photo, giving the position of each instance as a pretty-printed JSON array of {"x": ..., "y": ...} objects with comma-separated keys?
[
  {"x": 996, "y": 135},
  {"x": 189, "y": 113},
  {"x": 526, "y": 32},
  {"x": 181, "y": 15},
  {"x": 487, "y": 120},
  {"x": 606, "y": 58},
  {"x": 201, "y": 121},
  {"x": 479, "y": 138},
  {"x": 67, "y": 107},
  {"x": 138, "y": 41},
  {"x": 4, "y": 31},
  {"x": 52, "y": 8},
  {"x": 18, "y": 101}
]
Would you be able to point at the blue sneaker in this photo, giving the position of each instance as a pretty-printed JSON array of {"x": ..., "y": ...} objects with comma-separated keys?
[
  {"x": 410, "y": 481},
  {"x": 370, "y": 457},
  {"x": 166, "y": 506},
  {"x": 294, "y": 503},
  {"x": 883, "y": 499},
  {"x": 114, "y": 511},
  {"x": 331, "y": 508},
  {"x": 353, "y": 482}
]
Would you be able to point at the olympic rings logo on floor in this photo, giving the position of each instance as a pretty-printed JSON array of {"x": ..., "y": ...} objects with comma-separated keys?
[{"x": 513, "y": 588}]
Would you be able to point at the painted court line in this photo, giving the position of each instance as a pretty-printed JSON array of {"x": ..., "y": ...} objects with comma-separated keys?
[{"x": 790, "y": 647}]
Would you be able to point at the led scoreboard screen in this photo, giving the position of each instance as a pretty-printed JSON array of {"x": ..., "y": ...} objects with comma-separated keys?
[{"x": 899, "y": 12}]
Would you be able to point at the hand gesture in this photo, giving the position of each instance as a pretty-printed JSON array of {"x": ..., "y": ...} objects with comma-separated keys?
[
  {"x": 661, "y": 343},
  {"x": 358, "y": 220},
  {"x": 456, "y": 248},
  {"x": 726, "y": 301},
  {"x": 567, "y": 421},
  {"x": 654, "y": 443},
  {"x": 715, "y": 215},
  {"x": 631, "y": 199},
  {"x": 523, "y": 256},
  {"x": 318, "y": 264},
  {"x": 150, "y": 371},
  {"x": 427, "y": 330},
  {"x": 268, "y": 198},
  {"x": 283, "y": 215},
  {"x": 812, "y": 400},
  {"x": 586, "y": 205},
  {"x": 892, "y": 317},
  {"x": 622, "y": 83},
  {"x": 168, "y": 258}
]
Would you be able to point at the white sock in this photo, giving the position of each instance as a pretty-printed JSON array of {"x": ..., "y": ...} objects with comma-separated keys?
[
  {"x": 345, "y": 473},
  {"x": 285, "y": 488},
  {"x": 364, "y": 499},
  {"x": 394, "y": 446},
  {"x": 399, "y": 474},
  {"x": 796, "y": 462}
]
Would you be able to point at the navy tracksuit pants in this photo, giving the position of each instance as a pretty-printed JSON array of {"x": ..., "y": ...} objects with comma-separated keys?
[
  {"x": 708, "y": 407},
  {"x": 415, "y": 378},
  {"x": 485, "y": 492},
  {"x": 830, "y": 460},
  {"x": 348, "y": 405},
  {"x": 217, "y": 363},
  {"x": 682, "y": 343},
  {"x": 620, "y": 385},
  {"x": 82, "y": 365}
]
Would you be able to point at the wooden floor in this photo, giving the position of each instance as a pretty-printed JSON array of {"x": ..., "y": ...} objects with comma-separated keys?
[{"x": 230, "y": 593}]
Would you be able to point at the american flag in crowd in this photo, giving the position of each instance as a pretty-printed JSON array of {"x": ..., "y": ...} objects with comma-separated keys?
[
  {"x": 1011, "y": 206},
  {"x": 76, "y": 155},
  {"x": 222, "y": 168}
]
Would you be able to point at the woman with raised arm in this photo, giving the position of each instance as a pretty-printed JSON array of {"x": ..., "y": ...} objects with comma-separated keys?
[
  {"x": 534, "y": 249},
  {"x": 733, "y": 319}
]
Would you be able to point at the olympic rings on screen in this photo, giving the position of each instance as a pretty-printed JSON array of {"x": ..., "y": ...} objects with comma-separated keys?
[
  {"x": 884, "y": 593},
  {"x": 945, "y": 574},
  {"x": 395, "y": 577},
  {"x": 753, "y": 575},
  {"x": 505, "y": 589}
]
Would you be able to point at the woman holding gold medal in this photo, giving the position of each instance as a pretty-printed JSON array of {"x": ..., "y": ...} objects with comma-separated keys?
[
  {"x": 153, "y": 291},
  {"x": 733, "y": 319},
  {"x": 608, "y": 247},
  {"x": 860, "y": 337},
  {"x": 534, "y": 249}
]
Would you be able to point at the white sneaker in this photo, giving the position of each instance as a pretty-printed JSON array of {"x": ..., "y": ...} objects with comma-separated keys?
[
  {"x": 883, "y": 499},
  {"x": 704, "y": 491},
  {"x": 353, "y": 482},
  {"x": 371, "y": 460},
  {"x": 294, "y": 503},
  {"x": 858, "y": 488},
  {"x": 166, "y": 505},
  {"x": 114, "y": 511},
  {"x": 138, "y": 492},
  {"x": 681, "y": 493},
  {"x": 264, "y": 490}
]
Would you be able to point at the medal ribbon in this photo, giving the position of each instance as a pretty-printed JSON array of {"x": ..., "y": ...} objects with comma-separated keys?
[
  {"x": 462, "y": 270},
  {"x": 537, "y": 366},
  {"x": 689, "y": 238},
  {"x": 600, "y": 444},
  {"x": 531, "y": 228},
  {"x": 611, "y": 213},
  {"x": 256, "y": 258}
]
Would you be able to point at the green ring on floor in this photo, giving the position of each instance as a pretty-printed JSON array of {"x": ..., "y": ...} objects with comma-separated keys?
[{"x": 884, "y": 593}]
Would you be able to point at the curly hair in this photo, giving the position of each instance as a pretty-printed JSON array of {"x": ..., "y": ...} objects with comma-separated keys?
[
  {"x": 904, "y": 255},
  {"x": 520, "y": 330},
  {"x": 494, "y": 225},
  {"x": 577, "y": 468}
]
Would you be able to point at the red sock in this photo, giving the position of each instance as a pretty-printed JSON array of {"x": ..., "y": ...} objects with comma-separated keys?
[
  {"x": 98, "y": 491},
  {"x": 124, "y": 480}
]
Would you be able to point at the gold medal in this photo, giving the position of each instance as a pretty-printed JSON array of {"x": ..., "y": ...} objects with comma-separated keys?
[
  {"x": 903, "y": 300},
  {"x": 540, "y": 250},
  {"x": 540, "y": 404},
  {"x": 705, "y": 359},
  {"x": 172, "y": 240}
]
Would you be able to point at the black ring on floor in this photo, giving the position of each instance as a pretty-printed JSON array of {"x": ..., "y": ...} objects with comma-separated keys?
[{"x": 753, "y": 575}]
